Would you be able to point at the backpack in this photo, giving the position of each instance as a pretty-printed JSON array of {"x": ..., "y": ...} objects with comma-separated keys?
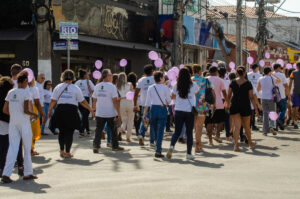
[
  {"x": 209, "y": 97},
  {"x": 275, "y": 92}
]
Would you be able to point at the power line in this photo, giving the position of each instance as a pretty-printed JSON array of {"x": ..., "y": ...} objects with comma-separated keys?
[{"x": 294, "y": 12}]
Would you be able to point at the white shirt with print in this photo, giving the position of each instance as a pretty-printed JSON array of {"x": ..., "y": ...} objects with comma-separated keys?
[
  {"x": 70, "y": 94},
  {"x": 144, "y": 83},
  {"x": 83, "y": 85},
  {"x": 163, "y": 92}
]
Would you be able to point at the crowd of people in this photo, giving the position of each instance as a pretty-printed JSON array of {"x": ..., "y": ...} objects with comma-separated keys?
[{"x": 212, "y": 97}]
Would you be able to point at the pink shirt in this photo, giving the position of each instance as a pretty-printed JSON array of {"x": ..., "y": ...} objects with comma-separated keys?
[{"x": 218, "y": 85}]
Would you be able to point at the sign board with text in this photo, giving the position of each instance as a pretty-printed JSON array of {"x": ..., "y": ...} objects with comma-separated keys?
[
  {"x": 68, "y": 30},
  {"x": 62, "y": 45}
]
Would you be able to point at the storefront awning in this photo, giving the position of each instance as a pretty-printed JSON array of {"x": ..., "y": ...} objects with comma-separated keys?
[
  {"x": 115, "y": 43},
  {"x": 15, "y": 35}
]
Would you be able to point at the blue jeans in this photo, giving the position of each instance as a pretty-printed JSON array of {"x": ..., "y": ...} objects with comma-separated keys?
[
  {"x": 282, "y": 104},
  {"x": 182, "y": 118},
  {"x": 143, "y": 128},
  {"x": 45, "y": 110},
  {"x": 108, "y": 131},
  {"x": 158, "y": 120},
  {"x": 182, "y": 135}
]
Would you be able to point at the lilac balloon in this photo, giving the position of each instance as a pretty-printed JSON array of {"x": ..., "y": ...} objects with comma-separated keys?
[
  {"x": 176, "y": 70},
  {"x": 153, "y": 55},
  {"x": 158, "y": 63},
  {"x": 267, "y": 55},
  {"x": 295, "y": 66},
  {"x": 171, "y": 75},
  {"x": 250, "y": 60},
  {"x": 289, "y": 66},
  {"x": 273, "y": 116},
  {"x": 98, "y": 64},
  {"x": 181, "y": 66},
  {"x": 30, "y": 74},
  {"x": 97, "y": 74},
  {"x": 123, "y": 62},
  {"x": 214, "y": 64},
  {"x": 233, "y": 70},
  {"x": 130, "y": 95},
  {"x": 232, "y": 65},
  {"x": 280, "y": 61},
  {"x": 262, "y": 63}
]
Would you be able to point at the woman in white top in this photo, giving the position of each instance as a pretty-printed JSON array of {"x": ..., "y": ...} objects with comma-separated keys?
[
  {"x": 66, "y": 118},
  {"x": 47, "y": 98},
  {"x": 17, "y": 106},
  {"x": 158, "y": 98},
  {"x": 37, "y": 108},
  {"x": 265, "y": 85},
  {"x": 87, "y": 88},
  {"x": 184, "y": 92},
  {"x": 126, "y": 106}
]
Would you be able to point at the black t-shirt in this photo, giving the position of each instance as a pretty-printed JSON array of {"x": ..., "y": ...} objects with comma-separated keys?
[{"x": 240, "y": 102}]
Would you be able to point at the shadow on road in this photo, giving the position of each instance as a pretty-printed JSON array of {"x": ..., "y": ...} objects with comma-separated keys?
[
  {"x": 216, "y": 155},
  {"x": 40, "y": 160},
  {"x": 287, "y": 138},
  {"x": 196, "y": 163},
  {"x": 28, "y": 186},
  {"x": 78, "y": 161}
]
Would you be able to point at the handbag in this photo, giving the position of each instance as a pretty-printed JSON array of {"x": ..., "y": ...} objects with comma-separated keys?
[
  {"x": 51, "y": 121},
  {"x": 209, "y": 97},
  {"x": 162, "y": 101},
  {"x": 194, "y": 110},
  {"x": 275, "y": 92}
]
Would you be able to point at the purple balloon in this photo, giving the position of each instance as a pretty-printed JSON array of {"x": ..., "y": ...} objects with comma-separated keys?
[
  {"x": 250, "y": 60},
  {"x": 171, "y": 75},
  {"x": 176, "y": 70},
  {"x": 130, "y": 95},
  {"x": 295, "y": 66},
  {"x": 123, "y": 62},
  {"x": 153, "y": 55},
  {"x": 289, "y": 66},
  {"x": 262, "y": 63},
  {"x": 233, "y": 70},
  {"x": 267, "y": 55},
  {"x": 158, "y": 63},
  {"x": 98, "y": 64},
  {"x": 30, "y": 74},
  {"x": 214, "y": 64},
  {"x": 280, "y": 61},
  {"x": 181, "y": 66},
  {"x": 232, "y": 65},
  {"x": 97, "y": 74},
  {"x": 273, "y": 116}
]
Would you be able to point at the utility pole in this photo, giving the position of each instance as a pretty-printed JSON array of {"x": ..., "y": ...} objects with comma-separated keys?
[
  {"x": 260, "y": 37},
  {"x": 239, "y": 21},
  {"x": 177, "y": 32}
]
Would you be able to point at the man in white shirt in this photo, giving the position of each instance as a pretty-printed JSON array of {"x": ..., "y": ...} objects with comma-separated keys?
[
  {"x": 87, "y": 88},
  {"x": 105, "y": 102},
  {"x": 14, "y": 71},
  {"x": 284, "y": 91},
  {"x": 142, "y": 88},
  {"x": 253, "y": 78}
]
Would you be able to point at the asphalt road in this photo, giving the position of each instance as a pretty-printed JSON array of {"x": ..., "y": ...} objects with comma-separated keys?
[{"x": 272, "y": 170}]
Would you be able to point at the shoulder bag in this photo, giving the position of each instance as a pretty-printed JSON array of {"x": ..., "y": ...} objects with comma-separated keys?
[{"x": 275, "y": 92}]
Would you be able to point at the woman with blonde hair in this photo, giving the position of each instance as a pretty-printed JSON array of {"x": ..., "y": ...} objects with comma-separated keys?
[
  {"x": 126, "y": 106},
  {"x": 36, "y": 108}
]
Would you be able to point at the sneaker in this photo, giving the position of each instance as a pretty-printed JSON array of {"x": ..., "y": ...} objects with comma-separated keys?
[
  {"x": 169, "y": 154},
  {"x": 190, "y": 157},
  {"x": 96, "y": 150},
  {"x": 295, "y": 126},
  {"x": 141, "y": 141},
  {"x": 118, "y": 149},
  {"x": 109, "y": 145},
  {"x": 159, "y": 155},
  {"x": 6, "y": 179},
  {"x": 152, "y": 145},
  {"x": 273, "y": 131},
  {"x": 255, "y": 128}
]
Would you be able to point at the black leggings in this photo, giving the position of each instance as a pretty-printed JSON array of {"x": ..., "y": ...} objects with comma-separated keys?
[
  {"x": 65, "y": 139},
  {"x": 4, "y": 144}
]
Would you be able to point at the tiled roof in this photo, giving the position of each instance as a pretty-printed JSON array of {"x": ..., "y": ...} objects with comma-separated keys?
[{"x": 249, "y": 12}]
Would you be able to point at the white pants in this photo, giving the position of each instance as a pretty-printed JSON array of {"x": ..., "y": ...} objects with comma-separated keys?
[
  {"x": 127, "y": 115},
  {"x": 15, "y": 133}
]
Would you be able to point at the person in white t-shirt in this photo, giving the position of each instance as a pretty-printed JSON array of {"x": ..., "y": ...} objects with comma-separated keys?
[
  {"x": 253, "y": 78},
  {"x": 105, "y": 102},
  {"x": 15, "y": 69},
  {"x": 265, "y": 85},
  {"x": 158, "y": 99},
  {"x": 87, "y": 88},
  {"x": 142, "y": 87},
  {"x": 47, "y": 99},
  {"x": 66, "y": 118},
  {"x": 16, "y": 106},
  {"x": 40, "y": 85},
  {"x": 184, "y": 92},
  {"x": 284, "y": 91},
  {"x": 126, "y": 106}
]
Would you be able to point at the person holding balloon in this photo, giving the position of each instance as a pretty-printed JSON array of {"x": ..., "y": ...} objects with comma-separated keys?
[
  {"x": 126, "y": 93},
  {"x": 87, "y": 87}
]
